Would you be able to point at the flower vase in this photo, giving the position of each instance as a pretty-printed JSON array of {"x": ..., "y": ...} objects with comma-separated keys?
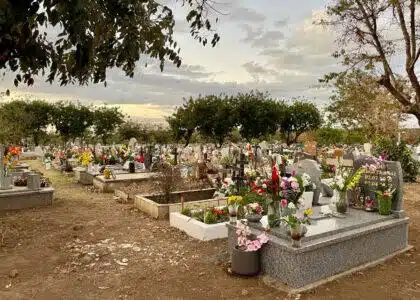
[
  {"x": 296, "y": 235},
  {"x": 233, "y": 210},
  {"x": 384, "y": 205},
  {"x": 342, "y": 204},
  {"x": 132, "y": 167}
]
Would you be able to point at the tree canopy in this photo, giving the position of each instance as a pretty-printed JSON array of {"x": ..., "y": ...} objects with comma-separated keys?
[
  {"x": 254, "y": 115},
  {"x": 298, "y": 117},
  {"x": 257, "y": 114},
  {"x": 359, "y": 102},
  {"x": 106, "y": 121},
  {"x": 93, "y": 37},
  {"x": 371, "y": 34}
]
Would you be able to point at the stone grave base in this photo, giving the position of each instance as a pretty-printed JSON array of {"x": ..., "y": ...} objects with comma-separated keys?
[
  {"x": 193, "y": 199},
  {"x": 197, "y": 229},
  {"x": 331, "y": 247},
  {"x": 284, "y": 288},
  {"x": 123, "y": 179},
  {"x": 22, "y": 197},
  {"x": 81, "y": 175}
]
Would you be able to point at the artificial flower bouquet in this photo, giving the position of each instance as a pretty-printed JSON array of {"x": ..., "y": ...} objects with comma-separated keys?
[
  {"x": 245, "y": 243},
  {"x": 307, "y": 183},
  {"x": 253, "y": 209},
  {"x": 296, "y": 222},
  {"x": 291, "y": 189},
  {"x": 343, "y": 181},
  {"x": 86, "y": 158}
]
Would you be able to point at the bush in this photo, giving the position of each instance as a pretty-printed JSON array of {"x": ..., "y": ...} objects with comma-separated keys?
[
  {"x": 167, "y": 180},
  {"x": 210, "y": 218},
  {"x": 186, "y": 211},
  {"x": 401, "y": 153}
]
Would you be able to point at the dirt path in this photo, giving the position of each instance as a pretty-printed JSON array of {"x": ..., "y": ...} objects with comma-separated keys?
[{"x": 87, "y": 246}]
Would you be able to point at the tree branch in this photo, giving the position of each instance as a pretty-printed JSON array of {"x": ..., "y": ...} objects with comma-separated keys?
[
  {"x": 407, "y": 40},
  {"x": 413, "y": 27}
]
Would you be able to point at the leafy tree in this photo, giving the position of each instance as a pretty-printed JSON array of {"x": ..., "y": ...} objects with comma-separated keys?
[
  {"x": 327, "y": 136},
  {"x": 299, "y": 117},
  {"x": 215, "y": 120},
  {"x": 13, "y": 122},
  {"x": 39, "y": 116},
  {"x": 95, "y": 36},
  {"x": 360, "y": 102},
  {"x": 257, "y": 114},
  {"x": 106, "y": 121},
  {"x": 183, "y": 122},
  {"x": 371, "y": 33},
  {"x": 160, "y": 135},
  {"x": 71, "y": 120},
  {"x": 128, "y": 130}
]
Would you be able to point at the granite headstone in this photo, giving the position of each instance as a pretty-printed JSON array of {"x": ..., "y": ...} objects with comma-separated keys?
[{"x": 387, "y": 170}]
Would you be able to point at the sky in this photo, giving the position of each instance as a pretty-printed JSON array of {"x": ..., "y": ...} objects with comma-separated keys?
[{"x": 269, "y": 45}]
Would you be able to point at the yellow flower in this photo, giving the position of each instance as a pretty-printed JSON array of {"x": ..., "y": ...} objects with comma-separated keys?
[
  {"x": 308, "y": 212},
  {"x": 234, "y": 200}
]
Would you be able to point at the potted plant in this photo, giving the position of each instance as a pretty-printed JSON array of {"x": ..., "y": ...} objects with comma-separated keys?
[
  {"x": 296, "y": 223},
  {"x": 253, "y": 212},
  {"x": 246, "y": 254}
]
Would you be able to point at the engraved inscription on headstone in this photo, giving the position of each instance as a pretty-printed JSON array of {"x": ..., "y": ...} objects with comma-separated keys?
[{"x": 388, "y": 171}]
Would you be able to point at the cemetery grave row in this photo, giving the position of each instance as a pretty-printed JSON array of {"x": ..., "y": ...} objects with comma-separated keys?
[{"x": 313, "y": 212}]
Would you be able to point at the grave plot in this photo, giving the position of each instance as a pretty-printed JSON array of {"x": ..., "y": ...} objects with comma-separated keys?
[
  {"x": 333, "y": 245},
  {"x": 120, "y": 180},
  {"x": 28, "y": 194},
  {"x": 203, "y": 224},
  {"x": 160, "y": 206},
  {"x": 128, "y": 193}
]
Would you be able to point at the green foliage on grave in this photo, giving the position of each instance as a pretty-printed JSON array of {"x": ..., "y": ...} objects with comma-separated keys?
[
  {"x": 92, "y": 37},
  {"x": 399, "y": 152}
]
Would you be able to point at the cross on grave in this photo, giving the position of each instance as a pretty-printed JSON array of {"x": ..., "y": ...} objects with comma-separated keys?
[
  {"x": 241, "y": 165},
  {"x": 148, "y": 158},
  {"x": 256, "y": 147},
  {"x": 2, "y": 170},
  {"x": 175, "y": 153}
]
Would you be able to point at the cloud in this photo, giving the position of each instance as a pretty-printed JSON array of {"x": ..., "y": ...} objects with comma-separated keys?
[
  {"x": 281, "y": 23},
  {"x": 284, "y": 63},
  {"x": 259, "y": 38},
  {"x": 258, "y": 71},
  {"x": 245, "y": 14}
]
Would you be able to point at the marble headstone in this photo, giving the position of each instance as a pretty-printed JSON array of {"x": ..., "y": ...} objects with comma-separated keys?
[
  {"x": 367, "y": 148},
  {"x": 132, "y": 143},
  {"x": 311, "y": 168}
]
